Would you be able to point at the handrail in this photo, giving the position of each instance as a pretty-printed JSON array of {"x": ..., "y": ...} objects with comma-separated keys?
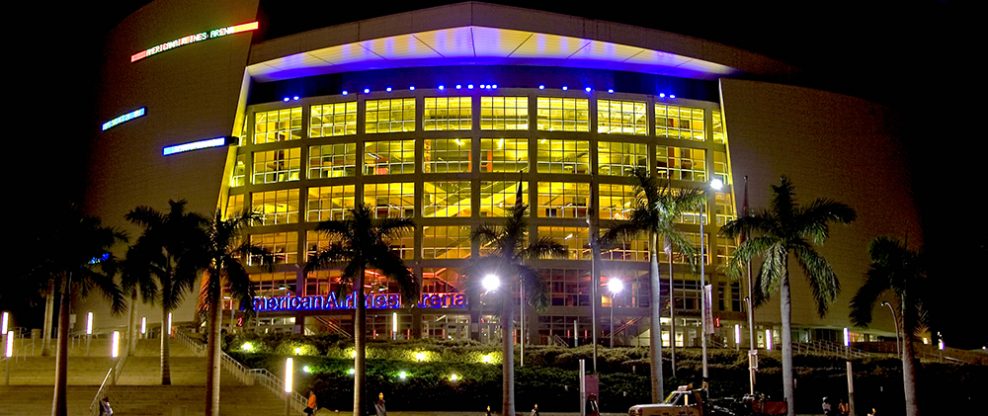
[
  {"x": 197, "y": 348},
  {"x": 93, "y": 409},
  {"x": 275, "y": 384},
  {"x": 240, "y": 371}
]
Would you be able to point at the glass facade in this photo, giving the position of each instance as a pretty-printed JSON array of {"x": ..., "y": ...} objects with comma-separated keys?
[{"x": 461, "y": 166}]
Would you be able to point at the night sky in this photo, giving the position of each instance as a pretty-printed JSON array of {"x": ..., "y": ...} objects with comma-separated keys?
[{"x": 917, "y": 60}]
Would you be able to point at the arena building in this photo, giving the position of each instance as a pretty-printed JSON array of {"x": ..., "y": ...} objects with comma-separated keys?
[{"x": 440, "y": 115}]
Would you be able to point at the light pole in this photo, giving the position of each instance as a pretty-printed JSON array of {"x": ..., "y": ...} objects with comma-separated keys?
[
  {"x": 716, "y": 185},
  {"x": 115, "y": 353},
  {"x": 8, "y": 353},
  {"x": 615, "y": 286},
  {"x": 895, "y": 323},
  {"x": 289, "y": 373},
  {"x": 89, "y": 330}
]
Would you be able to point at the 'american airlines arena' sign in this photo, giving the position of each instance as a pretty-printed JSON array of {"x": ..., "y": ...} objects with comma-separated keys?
[{"x": 332, "y": 302}]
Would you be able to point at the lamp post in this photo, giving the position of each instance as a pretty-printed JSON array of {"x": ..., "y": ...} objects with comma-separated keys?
[
  {"x": 4, "y": 323},
  {"x": 716, "y": 185},
  {"x": 8, "y": 353},
  {"x": 895, "y": 323},
  {"x": 615, "y": 286},
  {"x": 89, "y": 330},
  {"x": 289, "y": 372},
  {"x": 115, "y": 354}
]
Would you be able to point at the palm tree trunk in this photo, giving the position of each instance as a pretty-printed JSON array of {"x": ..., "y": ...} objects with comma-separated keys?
[
  {"x": 131, "y": 324},
  {"x": 785, "y": 302},
  {"x": 49, "y": 315},
  {"x": 508, "y": 350},
  {"x": 655, "y": 324},
  {"x": 58, "y": 407},
  {"x": 359, "y": 343},
  {"x": 166, "y": 372},
  {"x": 672, "y": 319},
  {"x": 908, "y": 361},
  {"x": 213, "y": 354}
]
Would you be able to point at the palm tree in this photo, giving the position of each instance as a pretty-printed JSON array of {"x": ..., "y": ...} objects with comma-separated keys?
[
  {"x": 894, "y": 267},
  {"x": 163, "y": 264},
  {"x": 508, "y": 253},
  {"x": 789, "y": 230},
  {"x": 227, "y": 248},
  {"x": 76, "y": 260},
  {"x": 655, "y": 213},
  {"x": 357, "y": 244}
]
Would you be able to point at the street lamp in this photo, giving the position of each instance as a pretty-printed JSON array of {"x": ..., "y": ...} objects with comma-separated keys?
[
  {"x": 490, "y": 282},
  {"x": 716, "y": 185},
  {"x": 115, "y": 353},
  {"x": 89, "y": 330},
  {"x": 895, "y": 323},
  {"x": 615, "y": 286},
  {"x": 289, "y": 372}
]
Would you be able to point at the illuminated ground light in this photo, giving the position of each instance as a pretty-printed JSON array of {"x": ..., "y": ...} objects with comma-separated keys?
[
  {"x": 198, "y": 144},
  {"x": 298, "y": 350},
  {"x": 247, "y": 347},
  {"x": 486, "y": 359},
  {"x": 306, "y": 369},
  {"x": 350, "y": 371},
  {"x": 353, "y": 354},
  {"x": 420, "y": 356},
  {"x": 402, "y": 375},
  {"x": 123, "y": 118},
  {"x": 454, "y": 377}
]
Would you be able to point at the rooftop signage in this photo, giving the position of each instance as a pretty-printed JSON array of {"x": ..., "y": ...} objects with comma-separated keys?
[
  {"x": 123, "y": 118},
  {"x": 194, "y": 38},
  {"x": 332, "y": 302}
]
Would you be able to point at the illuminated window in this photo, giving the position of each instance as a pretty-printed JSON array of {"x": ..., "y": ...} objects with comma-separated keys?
[
  {"x": 563, "y": 114},
  {"x": 563, "y": 199},
  {"x": 390, "y": 200},
  {"x": 736, "y": 297},
  {"x": 634, "y": 248},
  {"x": 575, "y": 239},
  {"x": 333, "y": 160},
  {"x": 677, "y": 122},
  {"x": 329, "y": 203},
  {"x": 337, "y": 119},
  {"x": 621, "y": 159},
  {"x": 497, "y": 198},
  {"x": 724, "y": 207},
  {"x": 691, "y": 215},
  {"x": 283, "y": 246},
  {"x": 447, "y": 113},
  {"x": 442, "y": 280},
  {"x": 321, "y": 282},
  {"x": 681, "y": 163},
  {"x": 276, "y": 207},
  {"x": 622, "y": 117},
  {"x": 446, "y": 155},
  {"x": 445, "y": 242},
  {"x": 390, "y": 116},
  {"x": 403, "y": 245},
  {"x": 234, "y": 206},
  {"x": 389, "y": 157},
  {"x": 315, "y": 242},
  {"x": 719, "y": 135},
  {"x": 687, "y": 294},
  {"x": 694, "y": 240},
  {"x": 725, "y": 249},
  {"x": 277, "y": 165},
  {"x": 617, "y": 201},
  {"x": 238, "y": 177},
  {"x": 273, "y": 284},
  {"x": 446, "y": 199},
  {"x": 278, "y": 125},
  {"x": 504, "y": 155},
  {"x": 567, "y": 287},
  {"x": 504, "y": 113},
  {"x": 563, "y": 156},
  {"x": 721, "y": 168}
]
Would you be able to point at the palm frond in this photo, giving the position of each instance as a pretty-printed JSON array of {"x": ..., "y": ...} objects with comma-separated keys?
[
  {"x": 820, "y": 276},
  {"x": 392, "y": 228},
  {"x": 392, "y": 266},
  {"x": 535, "y": 293},
  {"x": 542, "y": 248},
  {"x": 864, "y": 300}
]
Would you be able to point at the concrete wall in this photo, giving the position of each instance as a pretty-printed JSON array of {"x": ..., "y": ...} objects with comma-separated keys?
[
  {"x": 191, "y": 92},
  {"x": 831, "y": 146}
]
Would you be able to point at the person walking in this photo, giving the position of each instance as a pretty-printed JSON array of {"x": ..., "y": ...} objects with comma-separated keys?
[
  {"x": 826, "y": 407},
  {"x": 535, "y": 410},
  {"x": 379, "y": 408},
  {"x": 312, "y": 404},
  {"x": 593, "y": 408},
  {"x": 104, "y": 407},
  {"x": 843, "y": 408}
]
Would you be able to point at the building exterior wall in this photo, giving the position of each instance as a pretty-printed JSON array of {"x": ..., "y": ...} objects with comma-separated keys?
[
  {"x": 831, "y": 146},
  {"x": 190, "y": 92}
]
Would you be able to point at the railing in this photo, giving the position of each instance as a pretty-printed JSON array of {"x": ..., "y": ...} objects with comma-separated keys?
[
  {"x": 94, "y": 405},
  {"x": 559, "y": 341},
  {"x": 333, "y": 327},
  {"x": 198, "y": 348},
  {"x": 276, "y": 385},
  {"x": 827, "y": 348},
  {"x": 239, "y": 371}
]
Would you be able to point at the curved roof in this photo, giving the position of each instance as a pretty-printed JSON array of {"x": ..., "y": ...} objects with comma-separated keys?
[{"x": 486, "y": 34}]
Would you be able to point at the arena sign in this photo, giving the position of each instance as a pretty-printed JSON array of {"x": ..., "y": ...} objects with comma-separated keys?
[
  {"x": 190, "y": 39},
  {"x": 332, "y": 302}
]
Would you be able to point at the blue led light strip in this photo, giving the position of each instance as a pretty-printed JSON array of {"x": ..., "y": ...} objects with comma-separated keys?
[
  {"x": 198, "y": 144},
  {"x": 123, "y": 118}
]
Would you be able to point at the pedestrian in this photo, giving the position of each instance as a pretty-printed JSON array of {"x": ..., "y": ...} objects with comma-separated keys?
[
  {"x": 843, "y": 408},
  {"x": 379, "y": 409},
  {"x": 593, "y": 408},
  {"x": 104, "y": 407},
  {"x": 873, "y": 412},
  {"x": 312, "y": 404},
  {"x": 826, "y": 407},
  {"x": 535, "y": 410},
  {"x": 488, "y": 411}
]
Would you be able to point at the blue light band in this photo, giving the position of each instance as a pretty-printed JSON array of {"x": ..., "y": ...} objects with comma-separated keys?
[
  {"x": 198, "y": 144},
  {"x": 123, "y": 118}
]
